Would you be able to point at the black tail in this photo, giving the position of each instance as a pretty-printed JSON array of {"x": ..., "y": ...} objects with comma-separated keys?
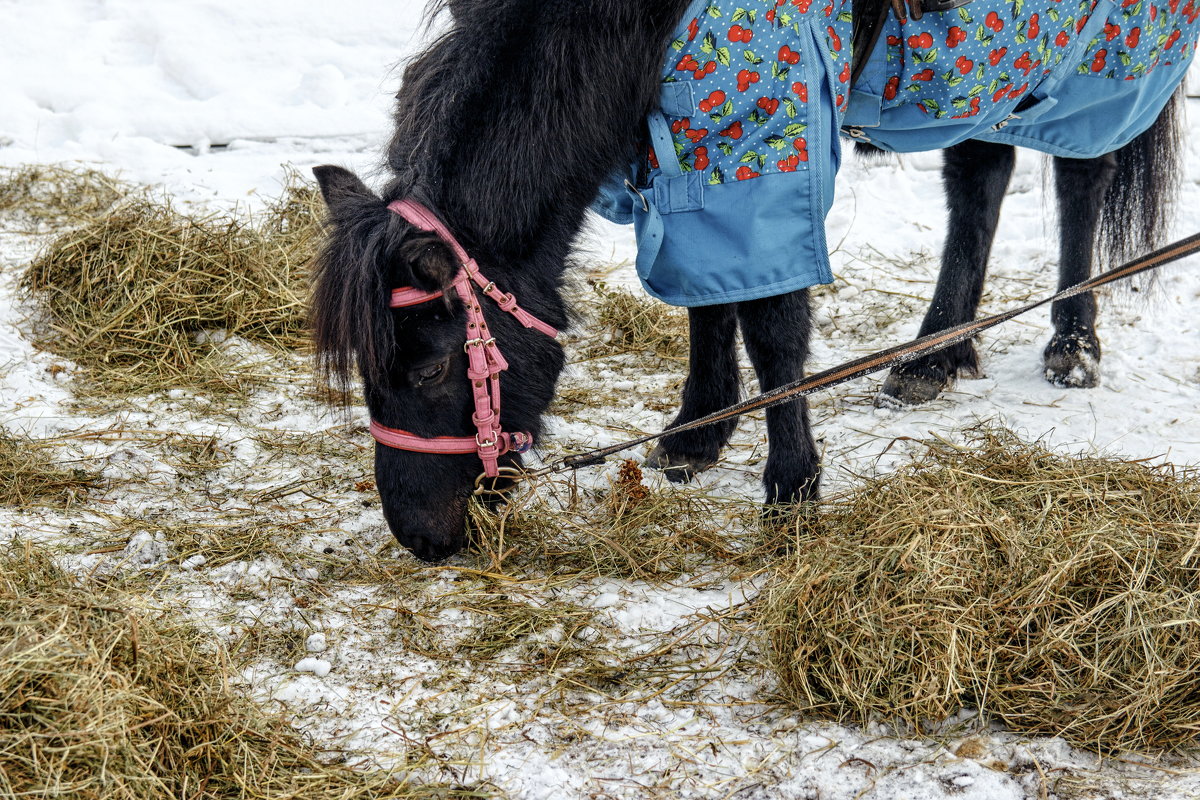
[{"x": 1137, "y": 208}]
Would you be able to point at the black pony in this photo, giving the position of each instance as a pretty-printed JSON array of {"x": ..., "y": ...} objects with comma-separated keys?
[{"x": 506, "y": 126}]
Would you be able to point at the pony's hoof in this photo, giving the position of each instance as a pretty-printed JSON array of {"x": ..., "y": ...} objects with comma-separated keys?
[
  {"x": 1072, "y": 363},
  {"x": 677, "y": 468},
  {"x": 1081, "y": 372},
  {"x": 907, "y": 390}
]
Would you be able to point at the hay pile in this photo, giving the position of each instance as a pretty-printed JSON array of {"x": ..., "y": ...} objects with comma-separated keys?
[
  {"x": 142, "y": 296},
  {"x": 99, "y": 699},
  {"x": 31, "y": 474},
  {"x": 1058, "y": 595},
  {"x": 43, "y": 195}
]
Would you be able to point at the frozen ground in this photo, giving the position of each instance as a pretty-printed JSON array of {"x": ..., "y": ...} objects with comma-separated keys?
[{"x": 210, "y": 100}]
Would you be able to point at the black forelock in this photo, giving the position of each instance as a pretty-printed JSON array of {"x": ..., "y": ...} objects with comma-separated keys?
[{"x": 351, "y": 288}]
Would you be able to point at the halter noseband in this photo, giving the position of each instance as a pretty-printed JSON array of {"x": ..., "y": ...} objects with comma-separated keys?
[{"x": 485, "y": 361}]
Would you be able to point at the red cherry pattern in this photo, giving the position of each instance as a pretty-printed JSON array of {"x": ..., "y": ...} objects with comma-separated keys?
[
  {"x": 748, "y": 68},
  {"x": 960, "y": 63}
]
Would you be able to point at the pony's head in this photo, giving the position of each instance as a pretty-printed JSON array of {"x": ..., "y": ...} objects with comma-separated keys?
[{"x": 412, "y": 360}]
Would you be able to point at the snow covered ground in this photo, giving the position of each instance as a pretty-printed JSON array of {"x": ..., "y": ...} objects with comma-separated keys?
[{"x": 210, "y": 99}]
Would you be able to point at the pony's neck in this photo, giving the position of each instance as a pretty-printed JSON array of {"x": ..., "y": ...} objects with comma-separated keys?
[{"x": 510, "y": 121}]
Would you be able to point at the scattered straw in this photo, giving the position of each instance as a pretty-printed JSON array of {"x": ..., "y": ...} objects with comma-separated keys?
[
  {"x": 629, "y": 530},
  {"x": 99, "y": 698},
  {"x": 638, "y": 324},
  {"x": 1056, "y": 594},
  {"x": 57, "y": 195},
  {"x": 143, "y": 296},
  {"x": 30, "y": 474}
]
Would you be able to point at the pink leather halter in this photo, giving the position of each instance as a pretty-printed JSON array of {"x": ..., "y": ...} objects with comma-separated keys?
[{"x": 485, "y": 361}]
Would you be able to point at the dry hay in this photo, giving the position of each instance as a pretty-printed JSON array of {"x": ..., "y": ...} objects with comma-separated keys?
[
  {"x": 44, "y": 195},
  {"x": 1056, "y": 594},
  {"x": 628, "y": 530},
  {"x": 100, "y": 698},
  {"x": 637, "y": 324},
  {"x": 31, "y": 475},
  {"x": 143, "y": 296}
]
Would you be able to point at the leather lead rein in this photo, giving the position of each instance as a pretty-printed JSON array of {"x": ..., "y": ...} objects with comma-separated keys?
[{"x": 883, "y": 359}]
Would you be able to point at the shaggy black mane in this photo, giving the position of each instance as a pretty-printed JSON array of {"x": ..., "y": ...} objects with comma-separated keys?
[{"x": 534, "y": 101}]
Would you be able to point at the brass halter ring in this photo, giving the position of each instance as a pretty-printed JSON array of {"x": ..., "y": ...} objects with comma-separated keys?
[{"x": 512, "y": 473}]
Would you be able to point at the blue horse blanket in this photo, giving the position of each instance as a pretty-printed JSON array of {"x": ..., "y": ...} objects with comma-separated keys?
[{"x": 730, "y": 202}]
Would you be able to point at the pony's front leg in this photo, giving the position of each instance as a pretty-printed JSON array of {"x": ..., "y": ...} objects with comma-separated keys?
[
  {"x": 1072, "y": 358},
  {"x": 712, "y": 384},
  {"x": 775, "y": 331}
]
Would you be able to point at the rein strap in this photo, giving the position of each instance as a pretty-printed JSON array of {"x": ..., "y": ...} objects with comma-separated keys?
[{"x": 883, "y": 359}]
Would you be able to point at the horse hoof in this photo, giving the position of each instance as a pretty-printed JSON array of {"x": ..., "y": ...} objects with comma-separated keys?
[
  {"x": 677, "y": 468},
  {"x": 1072, "y": 363},
  {"x": 907, "y": 390},
  {"x": 1073, "y": 370}
]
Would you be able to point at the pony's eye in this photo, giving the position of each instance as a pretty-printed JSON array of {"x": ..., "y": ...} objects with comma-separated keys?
[{"x": 430, "y": 373}]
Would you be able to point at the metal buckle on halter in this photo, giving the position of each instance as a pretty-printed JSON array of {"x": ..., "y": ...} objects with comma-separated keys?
[
  {"x": 934, "y": 6},
  {"x": 486, "y": 443},
  {"x": 469, "y": 343}
]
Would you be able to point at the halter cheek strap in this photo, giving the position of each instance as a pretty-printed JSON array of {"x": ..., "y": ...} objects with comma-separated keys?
[{"x": 485, "y": 361}]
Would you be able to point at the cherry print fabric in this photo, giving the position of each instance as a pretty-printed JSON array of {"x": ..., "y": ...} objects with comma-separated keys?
[{"x": 730, "y": 199}]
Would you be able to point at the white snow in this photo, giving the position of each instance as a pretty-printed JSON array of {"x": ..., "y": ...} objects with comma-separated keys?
[
  {"x": 316, "y": 666},
  {"x": 210, "y": 99}
]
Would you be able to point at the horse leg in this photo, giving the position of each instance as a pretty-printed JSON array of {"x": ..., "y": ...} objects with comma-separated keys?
[
  {"x": 775, "y": 331},
  {"x": 975, "y": 175},
  {"x": 712, "y": 384},
  {"x": 1072, "y": 358}
]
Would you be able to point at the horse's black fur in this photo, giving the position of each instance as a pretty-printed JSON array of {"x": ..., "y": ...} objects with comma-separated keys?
[{"x": 506, "y": 125}]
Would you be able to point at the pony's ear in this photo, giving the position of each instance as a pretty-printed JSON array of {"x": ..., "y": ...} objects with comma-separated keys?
[
  {"x": 339, "y": 184},
  {"x": 430, "y": 259}
]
